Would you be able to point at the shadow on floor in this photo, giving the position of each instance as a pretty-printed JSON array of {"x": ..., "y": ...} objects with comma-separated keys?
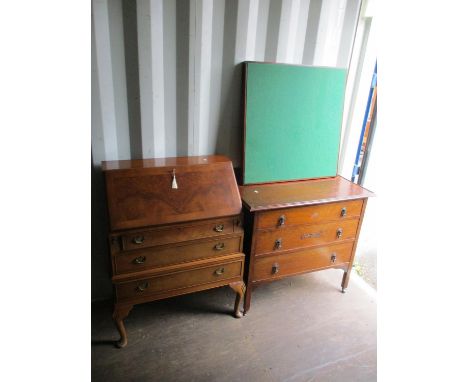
[{"x": 297, "y": 329}]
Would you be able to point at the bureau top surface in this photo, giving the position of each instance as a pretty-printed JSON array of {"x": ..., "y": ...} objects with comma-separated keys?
[
  {"x": 300, "y": 193},
  {"x": 162, "y": 162},
  {"x": 153, "y": 192}
]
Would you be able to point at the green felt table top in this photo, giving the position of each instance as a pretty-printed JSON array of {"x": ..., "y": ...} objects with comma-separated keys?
[{"x": 293, "y": 122}]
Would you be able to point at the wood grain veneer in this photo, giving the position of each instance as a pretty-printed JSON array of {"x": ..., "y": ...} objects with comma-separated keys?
[
  {"x": 142, "y": 196},
  {"x": 163, "y": 255},
  {"x": 175, "y": 228},
  {"x": 305, "y": 236},
  {"x": 301, "y": 226},
  {"x": 297, "y": 262},
  {"x": 301, "y": 193},
  {"x": 287, "y": 217}
]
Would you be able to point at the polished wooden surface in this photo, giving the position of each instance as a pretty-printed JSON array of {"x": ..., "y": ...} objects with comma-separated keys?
[
  {"x": 239, "y": 288},
  {"x": 300, "y": 193},
  {"x": 178, "y": 233},
  {"x": 287, "y": 217},
  {"x": 305, "y": 236},
  {"x": 166, "y": 240},
  {"x": 178, "y": 292},
  {"x": 299, "y": 227},
  {"x": 121, "y": 311},
  {"x": 159, "y": 256},
  {"x": 278, "y": 266},
  {"x": 144, "y": 196},
  {"x": 163, "y": 162},
  {"x": 227, "y": 267}
]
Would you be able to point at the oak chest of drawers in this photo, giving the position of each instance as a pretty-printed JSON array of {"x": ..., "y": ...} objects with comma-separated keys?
[
  {"x": 302, "y": 226},
  {"x": 175, "y": 228}
]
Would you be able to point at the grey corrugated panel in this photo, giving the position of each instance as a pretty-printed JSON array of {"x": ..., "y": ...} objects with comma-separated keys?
[{"x": 195, "y": 98}]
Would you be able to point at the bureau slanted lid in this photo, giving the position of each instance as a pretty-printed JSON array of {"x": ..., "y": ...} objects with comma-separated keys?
[
  {"x": 159, "y": 191},
  {"x": 301, "y": 193}
]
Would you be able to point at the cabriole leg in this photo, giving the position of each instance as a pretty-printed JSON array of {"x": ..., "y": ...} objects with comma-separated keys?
[
  {"x": 239, "y": 288},
  {"x": 120, "y": 312}
]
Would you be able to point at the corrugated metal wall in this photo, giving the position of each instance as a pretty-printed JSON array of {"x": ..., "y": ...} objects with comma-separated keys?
[{"x": 166, "y": 76}]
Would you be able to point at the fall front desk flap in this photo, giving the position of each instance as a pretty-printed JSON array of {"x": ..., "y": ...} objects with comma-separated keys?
[{"x": 170, "y": 190}]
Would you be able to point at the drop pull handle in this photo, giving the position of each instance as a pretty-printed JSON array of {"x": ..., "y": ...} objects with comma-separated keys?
[
  {"x": 139, "y": 260},
  {"x": 275, "y": 268},
  {"x": 142, "y": 286},
  {"x": 339, "y": 233},
  {"x": 219, "y": 247},
  {"x": 281, "y": 220},
  {"x": 138, "y": 239},
  {"x": 278, "y": 243},
  {"x": 219, "y": 227},
  {"x": 333, "y": 258},
  {"x": 343, "y": 212},
  {"x": 219, "y": 271}
]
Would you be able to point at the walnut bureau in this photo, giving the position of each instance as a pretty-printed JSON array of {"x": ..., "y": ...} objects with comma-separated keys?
[
  {"x": 300, "y": 226},
  {"x": 175, "y": 228}
]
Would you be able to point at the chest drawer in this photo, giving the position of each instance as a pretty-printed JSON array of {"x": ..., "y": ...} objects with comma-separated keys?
[
  {"x": 310, "y": 215},
  {"x": 173, "y": 254},
  {"x": 232, "y": 267},
  {"x": 174, "y": 234},
  {"x": 277, "y": 266},
  {"x": 283, "y": 239}
]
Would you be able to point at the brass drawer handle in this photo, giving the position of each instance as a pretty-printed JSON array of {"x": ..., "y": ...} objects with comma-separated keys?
[
  {"x": 219, "y": 227},
  {"x": 143, "y": 286},
  {"x": 333, "y": 258},
  {"x": 343, "y": 212},
  {"x": 219, "y": 247},
  {"x": 278, "y": 243},
  {"x": 219, "y": 271},
  {"x": 281, "y": 220},
  {"x": 339, "y": 232},
  {"x": 139, "y": 260},
  {"x": 138, "y": 239},
  {"x": 275, "y": 268}
]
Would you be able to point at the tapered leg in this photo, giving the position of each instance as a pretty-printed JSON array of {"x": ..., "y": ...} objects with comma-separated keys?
[
  {"x": 120, "y": 312},
  {"x": 248, "y": 296},
  {"x": 239, "y": 288},
  {"x": 345, "y": 281}
]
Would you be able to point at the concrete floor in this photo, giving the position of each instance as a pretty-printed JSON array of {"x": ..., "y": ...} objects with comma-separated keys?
[
  {"x": 365, "y": 261},
  {"x": 298, "y": 329}
]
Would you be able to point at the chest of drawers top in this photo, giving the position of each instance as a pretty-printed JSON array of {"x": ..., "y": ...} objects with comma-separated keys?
[
  {"x": 154, "y": 192},
  {"x": 301, "y": 226},
  {"x": 301, "y": 193}
]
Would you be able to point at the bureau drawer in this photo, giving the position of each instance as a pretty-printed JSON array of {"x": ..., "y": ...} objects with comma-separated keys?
[
  {"x": 174, "y": 234},
  {"x": 181, "y": 252},
  {"x": 309, "y": 215},
  {"x": 283, "y": 239},
  {"x": 277, "y": 266},
  {"x": 230, "y": 269}
]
